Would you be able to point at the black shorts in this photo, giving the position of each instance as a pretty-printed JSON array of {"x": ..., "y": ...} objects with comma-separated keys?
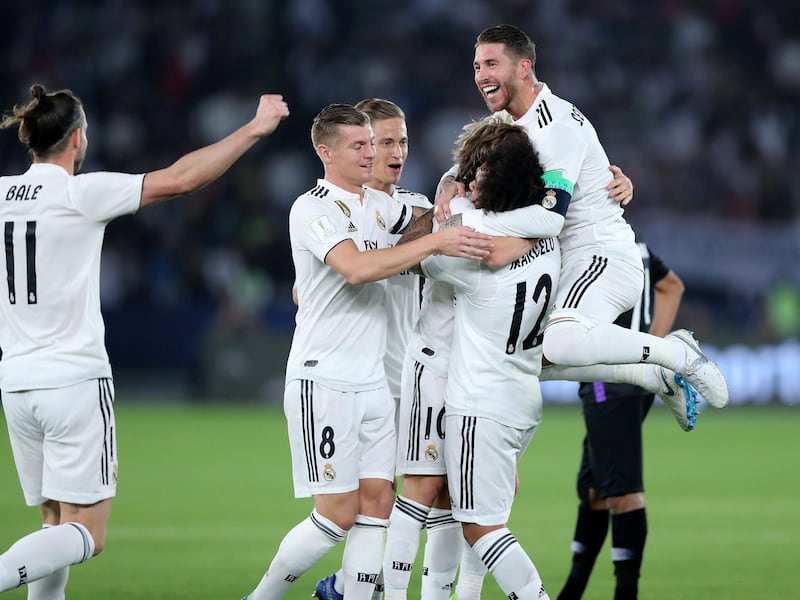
[{"x": 612, "y": 449}]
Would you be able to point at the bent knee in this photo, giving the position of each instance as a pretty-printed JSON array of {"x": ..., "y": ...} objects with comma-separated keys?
[
  {"x": 567, "y": 343},
  {"x": 99, "y": 546}
]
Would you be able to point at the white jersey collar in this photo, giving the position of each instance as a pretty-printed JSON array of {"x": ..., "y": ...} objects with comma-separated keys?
[
  {"x": 340, "y": 192},
  {"x": 530, "y": 117},
  {"x": 44, "y": 166}
]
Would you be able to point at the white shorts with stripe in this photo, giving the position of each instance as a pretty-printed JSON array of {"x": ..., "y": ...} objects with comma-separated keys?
[
  {"x": 420, "y": 428},
  {"x": 598, "y": 288},
  {"x": 338, "y": 438},
  {"x": 481, "y": 457},
  {"x": 64, "y": 442}
]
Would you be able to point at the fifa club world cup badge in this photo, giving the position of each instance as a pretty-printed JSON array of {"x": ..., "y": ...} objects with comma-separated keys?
[
  {"x": 379, "y": 219},
  {"x": 431, "y": 453},
  {"x": 328, "y": 473}
]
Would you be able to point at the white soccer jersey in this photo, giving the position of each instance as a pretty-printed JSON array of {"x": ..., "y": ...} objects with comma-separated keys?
[
  {"x": 496, "y": 347},
  {"x": 567, "y": 144},
  {"x": 403, "y": 298},
  {"x": 340, "y": 333},
  {"x": 51, "y": 329},
  {"x": 430, "y": 342}
]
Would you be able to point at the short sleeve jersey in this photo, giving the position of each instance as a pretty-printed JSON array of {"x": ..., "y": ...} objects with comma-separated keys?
[
  {"x": 51, "y": 328},
  {"x": 499, "y": 318},
  {"x": 340, "y": 330},
  {"x": 567, "y": 144},
  {"x": 403, "y": 299}
]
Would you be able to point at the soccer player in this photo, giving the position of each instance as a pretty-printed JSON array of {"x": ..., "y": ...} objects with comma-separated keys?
[
  {"x": 404, "y": 290},
  {"x": 493, "y": 401},
  {"x": 610, "y": 480},
  {"x": 339, "y": 410},
  {"x": 602, "y": 273},
  {"x": 55, "y": 375}
]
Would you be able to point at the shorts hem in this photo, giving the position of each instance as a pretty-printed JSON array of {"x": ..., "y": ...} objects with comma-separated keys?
[{"x": 80, "y": 499}]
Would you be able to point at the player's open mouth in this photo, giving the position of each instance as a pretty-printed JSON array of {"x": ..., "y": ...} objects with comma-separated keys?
[
  {"x": 490, "y": 89},
  {"x": 396, "y": 167}
]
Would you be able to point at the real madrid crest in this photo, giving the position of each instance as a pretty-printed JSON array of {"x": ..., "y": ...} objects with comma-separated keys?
[
  {"x": 328, "y": 473},
  {"x": 379, "y": 219},
  {"x": 344, "y": 208},
  {"x": 550, "y": 199},
  {"x": 431, "y": 453}
]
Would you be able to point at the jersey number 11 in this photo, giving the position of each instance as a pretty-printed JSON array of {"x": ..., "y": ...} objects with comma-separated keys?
[{"x": 30, "y": 260}]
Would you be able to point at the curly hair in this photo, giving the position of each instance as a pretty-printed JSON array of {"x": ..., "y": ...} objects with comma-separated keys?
[{"x": 513, "y": 176}]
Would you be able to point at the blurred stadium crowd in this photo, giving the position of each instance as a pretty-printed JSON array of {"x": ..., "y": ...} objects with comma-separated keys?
[{"x": 697, "y": 101}]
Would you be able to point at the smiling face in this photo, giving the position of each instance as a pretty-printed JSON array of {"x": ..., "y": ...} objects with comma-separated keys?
[
  {"x": 500, "y": 78},
  {"x": 391, "y": 150}
]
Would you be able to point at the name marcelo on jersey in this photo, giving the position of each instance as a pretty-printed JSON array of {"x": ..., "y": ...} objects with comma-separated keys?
[{"x": 543, "y": 246}]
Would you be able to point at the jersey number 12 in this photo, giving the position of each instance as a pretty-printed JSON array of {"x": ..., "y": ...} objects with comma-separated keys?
[{"x": 534, "y": 338}]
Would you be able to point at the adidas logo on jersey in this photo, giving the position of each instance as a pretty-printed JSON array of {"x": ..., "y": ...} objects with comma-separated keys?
[{"x": 351, "y": 228}]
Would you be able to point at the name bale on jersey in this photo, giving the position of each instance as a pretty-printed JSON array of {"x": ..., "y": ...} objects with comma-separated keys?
[{"x": 22, "y": 193}]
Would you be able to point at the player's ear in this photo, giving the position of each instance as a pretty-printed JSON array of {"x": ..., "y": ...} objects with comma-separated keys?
[
  {"x": 524, "y": 68},
  {"x": 75, "y": 138},
  {"x": 324, "y": 153}
]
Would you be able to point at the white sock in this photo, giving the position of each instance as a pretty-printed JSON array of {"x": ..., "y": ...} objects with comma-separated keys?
[
  {"x": 363, "y": 556},
  {"x": 442, "y": 554},
  {"x": 300, "y": 549},
  {"x": 471, "y": 572},
  {"x": 52, "y": 587},
  {"x": 402, "y": 543},
  {"x": 377, "y": 593},
  {"x": 507, "y": 561},
  {"x": 641, "y": 374},
  {"x": 338, "y": 583},
  {"x": 43, "y": 552},
  {"x": 573, "y": 344}
]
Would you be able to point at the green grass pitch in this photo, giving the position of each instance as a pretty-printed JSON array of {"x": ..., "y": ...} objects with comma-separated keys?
[{"x": 205, "y": 497}]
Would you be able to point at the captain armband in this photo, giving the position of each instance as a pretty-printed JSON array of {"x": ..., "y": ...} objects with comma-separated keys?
[{"x": 557, "y": 192}]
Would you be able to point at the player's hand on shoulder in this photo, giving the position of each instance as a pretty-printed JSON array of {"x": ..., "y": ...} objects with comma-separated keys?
[
  {"x": 272, "y": 109},
  {"x": 447, "y": 189},
  {"x": 621, "y": 187},
  {"x": 464, "y": 242}
]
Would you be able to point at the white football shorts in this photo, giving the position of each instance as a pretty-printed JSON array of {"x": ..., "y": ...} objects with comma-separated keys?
[
  {"x": 597, "y": 288},
  {"x": 481, "y": 457},
  {"x": 64, "y": 442},
  {"x": 338, "y": 438},
  {"x": 420, "y": 429}
]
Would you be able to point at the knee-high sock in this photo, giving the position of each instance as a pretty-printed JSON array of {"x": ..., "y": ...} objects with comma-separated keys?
[
  {"x": 402, "y": 543},
  {"x": 591, "y": 528},
  {"x": 628, "y": 536},
  {"x": 442, "y": 555},
  {"x": 471, "y": 572},
  {"x": 43, "y": 552},
  {"x": 52, "y": 587},
  {"x": 300, "y": 549},
  {"x": 363, "y": 556},
  {"x": 511, "y": 566},
  {"x": 572, "y": 343}
]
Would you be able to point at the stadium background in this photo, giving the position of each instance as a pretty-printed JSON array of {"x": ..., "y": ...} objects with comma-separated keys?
[{"x": 696, "y": 100}]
